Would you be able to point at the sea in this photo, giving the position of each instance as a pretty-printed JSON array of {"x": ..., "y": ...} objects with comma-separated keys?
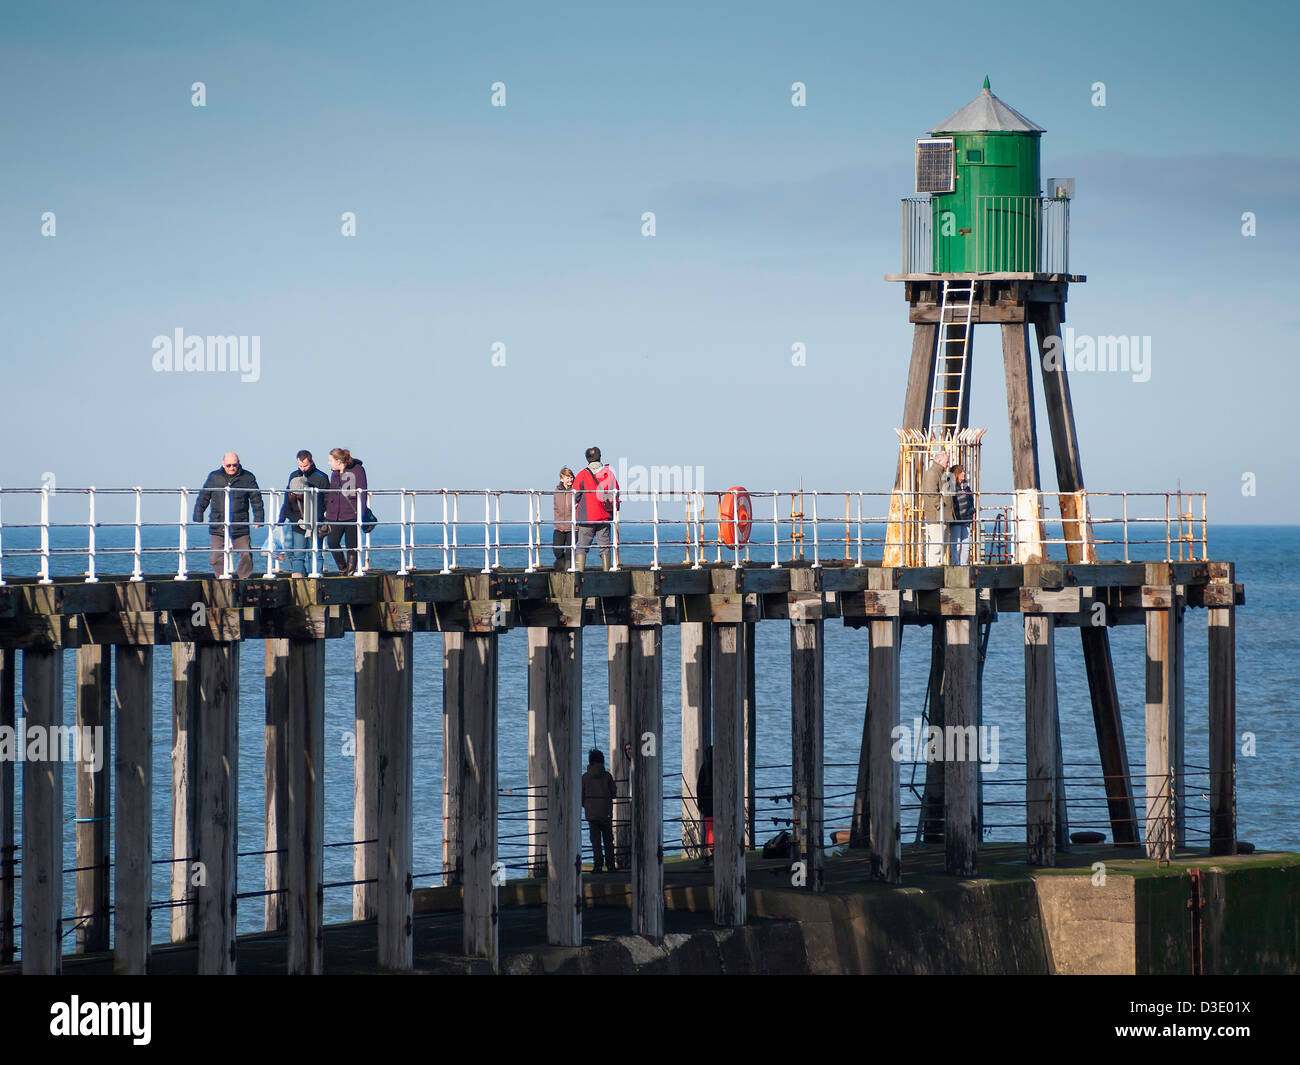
[{"x": 1268, "y": 746}]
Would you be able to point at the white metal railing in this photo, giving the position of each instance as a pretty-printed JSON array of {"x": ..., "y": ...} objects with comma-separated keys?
[
  {"x": 1010, "y": 234},
  {"x": 94, "y": 533}
]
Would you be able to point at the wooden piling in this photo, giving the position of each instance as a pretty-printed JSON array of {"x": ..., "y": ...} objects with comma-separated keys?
[
  {"x": 960, "y": 766},
  {"x": 932, "y": 796},
  {"x": 646, "y": 670},
  {"x": 807, "y": 693},
  {"x": 218, "y": 810},
  {"x": 185, "y": 801},
  {"x": 478, "y": 790},
  {"x": 749, "y": 706},
  {"x": 1223, "y": 729},
  {"x": 1041, "y": 754},
  {"x": 395, "y": 825},
  {"x": 1161, "y": 708},
  {"x": 728, "y": 776},
  {"x": 43, "y": 816},
  {"x": 563, "y": 710},
  {"x": 365, "y": 776},
  {"x": 277, "y": 783},
  {"x": 618, "y": 652},
  {"x": 8, "y": 869},
  {"x": 453, "y": 651},
  {"x": 1178, "y": 723},
  {"x": 539, "y": 761},
  {"x": 883, "y": 706},
  {"x": 94, "y": 801},
  {"x": 697, "y": 728},
  {"x": 303, "y": 830},
  {"x": 133, "y": 842}
]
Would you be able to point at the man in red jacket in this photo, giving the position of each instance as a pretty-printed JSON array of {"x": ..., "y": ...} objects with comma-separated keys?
[{"x": 595, "y": 501}]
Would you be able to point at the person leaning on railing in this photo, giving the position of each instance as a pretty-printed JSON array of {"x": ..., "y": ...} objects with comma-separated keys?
[
  {"x": 963, "y": 511},
  {"x": 243, "y": 493},
  {"x": 936, "y": 507}
]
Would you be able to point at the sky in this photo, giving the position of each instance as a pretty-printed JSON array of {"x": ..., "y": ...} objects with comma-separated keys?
[{"x": 521, "y": 225}]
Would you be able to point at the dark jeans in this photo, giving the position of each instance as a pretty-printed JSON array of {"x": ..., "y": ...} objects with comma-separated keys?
[
  {"x": 347, "y": 561},
  {"x": 560, "y": 542},
  {"x": 601, "y": 832}
]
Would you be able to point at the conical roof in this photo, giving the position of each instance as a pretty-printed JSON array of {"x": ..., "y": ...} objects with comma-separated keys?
[{"x": 987, "y": 114}]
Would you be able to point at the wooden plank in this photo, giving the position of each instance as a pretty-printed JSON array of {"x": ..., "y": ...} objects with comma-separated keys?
[
  {"x": 538, "y": 756},
  {"x": 1223, "y": 729},
  {"x": 618, "y": 662},
  {"x": 276, "y": 791},
  {"x": 395, "y": 821},
  {"x": 478, "y": 794},
  {"x": 42, "y": 855},
  {"x": 646, "y": 668},
  {"x": 807, "y": 702},
  {"x": 749, "y": 704},
  {"x": 728, "y": 777},
  {"x": 367, "y": 694},
  {"x": 697, "y": 729},
  {"x": 304, "y": 824},
  {"x": 920, "y": 377},
  {"x": 133, "y": 843},
  {"x": 932, "y": 797},
  {"x": 218, "y": 812},
  {"x": 8, "y": 868},
  {"x": 883, "y": 706},
  {"x": 453, "y": 857},
  {"x": 94, "y": 804},
  {"x": 1161, "y": 813},
  {"x": 1021, "y": 421},
  {"x": 1178, "y": 724},
  {"x": 185, "y": 798},
  {"x": 961, "y": 773},
  {"x": 563, "y": 702},
  {"x": 1041, "y": 754}
]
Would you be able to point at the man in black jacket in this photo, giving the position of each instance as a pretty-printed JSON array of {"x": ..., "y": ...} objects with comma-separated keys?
[
  {"x": 300, "y": 512},
  {"x": 598, "y": 794},
  {"x": 243, "y": 492}
]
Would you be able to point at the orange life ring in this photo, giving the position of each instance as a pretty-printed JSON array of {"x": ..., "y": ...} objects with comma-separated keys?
[{"x": 735, "y": 517}]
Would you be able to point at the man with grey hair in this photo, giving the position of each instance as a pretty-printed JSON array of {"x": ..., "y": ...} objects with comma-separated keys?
[
  {"x": 243, "y": 493},
  {"x": 936, "y": 506}
]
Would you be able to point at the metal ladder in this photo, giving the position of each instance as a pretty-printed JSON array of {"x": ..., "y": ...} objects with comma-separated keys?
[{"x": 951, "y": 359}]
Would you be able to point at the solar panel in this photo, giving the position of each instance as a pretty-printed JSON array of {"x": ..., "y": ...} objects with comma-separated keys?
[{"x": 934, "y": 165}]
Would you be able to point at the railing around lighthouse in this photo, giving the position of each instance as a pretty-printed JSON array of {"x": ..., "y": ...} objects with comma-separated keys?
[{"x": 1009, "y": 234}]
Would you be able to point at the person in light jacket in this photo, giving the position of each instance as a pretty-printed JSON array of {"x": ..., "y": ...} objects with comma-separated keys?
[
  {"x": 347, "y": 499},
  {"x": 563, "y": 516},
  {"x": 936, "y": 507}
]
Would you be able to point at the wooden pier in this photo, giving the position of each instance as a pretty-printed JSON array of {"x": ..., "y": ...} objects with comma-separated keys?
[{"x": 207, "y": 622}]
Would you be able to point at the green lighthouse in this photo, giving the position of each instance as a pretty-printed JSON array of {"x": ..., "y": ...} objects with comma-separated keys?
[{"x": 980, "y": 167}]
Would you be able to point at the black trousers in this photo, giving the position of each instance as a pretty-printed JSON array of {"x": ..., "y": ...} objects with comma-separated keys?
[
  {"x": 560, "y": 542},
  {"x": 601, "y": 832},
  {"x": 347, "y": 561}
]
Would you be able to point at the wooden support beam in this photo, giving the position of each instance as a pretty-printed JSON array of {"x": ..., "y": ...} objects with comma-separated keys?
[
  {"x": 563, "y": 711},
  {"x": 8, "y": 867},
  {"x": 920, "y": 376},
  {"x": 478, "y": 794},
  {"x": 961, "y": 768},
  {"x": 218, "y": 813},
  {"x": 185, "y": 794},
  {"x": 395, "y": 822},
  {"x": 884, "y": 834},
  {"x": 1021, "y": 419},
  {"x": 453, "y": 858},
  {"x": 1178, "y": 723},
  {"x": 1223, "y": 729},
  {"x": 539, "y": 761},
  {"x": 1161, "y": 706},
  {"x": 646, "y": 669},
  {"x": 728, "y": 777},
  {"x": 304, "y": 825},
  {"x": 367, "y": 694},
  {"x": 276, "y": 791},
  {"x": 42, "y": 816},
  {"x": 94, "y": 802},
  {"x": 618, "y": 657},
  {"x": 932, "y": 797},
  {"x": 697, "y": 729},
  {"x": 749, "y": 704},
  {"x": 1041, "y": 754},
  {"x": 133, "y": 842},
  {"x": 807, "y": 714}
]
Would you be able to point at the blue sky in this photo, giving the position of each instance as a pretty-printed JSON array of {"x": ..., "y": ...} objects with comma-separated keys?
[{"x": 522, "y": 225}]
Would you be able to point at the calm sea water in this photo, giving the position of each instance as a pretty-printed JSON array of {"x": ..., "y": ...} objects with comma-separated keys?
[{"x": 1267, "y": 675}]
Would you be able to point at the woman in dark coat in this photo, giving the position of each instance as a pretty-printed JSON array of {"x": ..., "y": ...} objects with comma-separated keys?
[
  {"x": 563, "y": 516},
  {"x": 347, "y": 499}
]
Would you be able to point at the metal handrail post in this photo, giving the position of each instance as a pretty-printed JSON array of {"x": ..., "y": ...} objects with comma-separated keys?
[
  {"x": 183, "y": 537},
  {"x": 136, "y": 575},
  {"x": 654, "y": 502},
  {"x": 487, "y": 533},
  {"x": 816, "y": 563},
  {"x": 314, "y": 526},
  {"x": 402, "y": 569},
  {"x": 225, "y": 530},
  {"x": 270, "y": 537},
  {"x": 45, "y": 536},
  {"x": 90, "y": 537}
]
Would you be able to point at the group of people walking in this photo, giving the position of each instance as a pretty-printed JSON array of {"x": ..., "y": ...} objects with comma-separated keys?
[
  {"x": 947, "y": 509},
  {"x": 344, "y": 494}
]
